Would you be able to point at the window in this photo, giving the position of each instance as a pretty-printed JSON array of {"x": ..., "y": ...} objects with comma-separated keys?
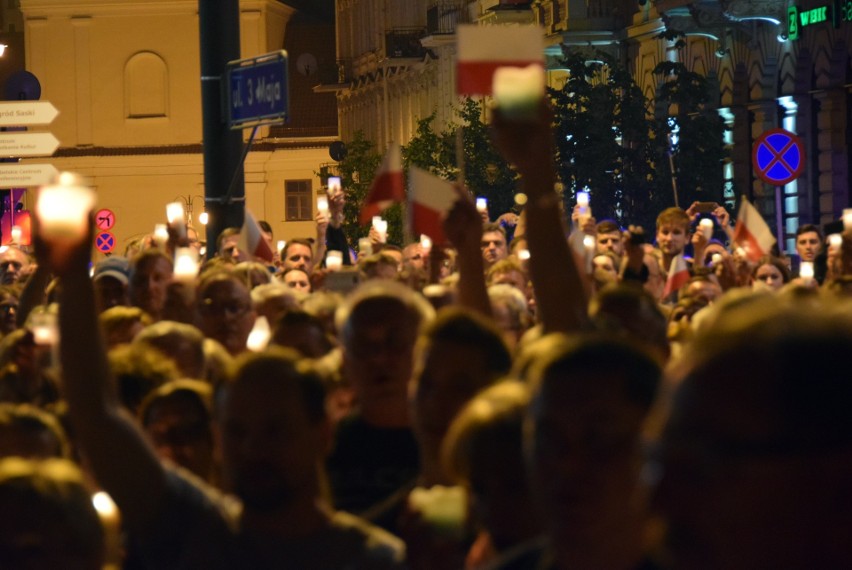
[{"x": 298, "y": 204}]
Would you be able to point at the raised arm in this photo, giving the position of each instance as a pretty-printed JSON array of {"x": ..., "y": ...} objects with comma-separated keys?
[
  {"x": 463, "y": 227},
  {"x": 123, "y": 463},
  {"x": 560, "y": 295}
]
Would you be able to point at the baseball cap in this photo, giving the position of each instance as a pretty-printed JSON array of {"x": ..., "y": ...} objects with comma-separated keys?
[{"x": 114, "y": 266}]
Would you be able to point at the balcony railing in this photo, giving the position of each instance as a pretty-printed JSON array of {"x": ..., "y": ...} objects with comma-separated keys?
[
  {"x": 443, "y": 16},
  {"x": 405, "y": 43},
  {"x": 337, "y": 73}
]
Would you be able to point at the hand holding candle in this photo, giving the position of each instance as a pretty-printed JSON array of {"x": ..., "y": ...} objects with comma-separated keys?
[
  {"x": 176, "y": 218},
  {"x": 518, "y": 91},
  {"x": 333, "y": 260},
  {"x": 381, "y": 227}
]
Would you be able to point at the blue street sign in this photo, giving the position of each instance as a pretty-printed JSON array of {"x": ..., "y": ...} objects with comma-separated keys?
[
  {"x": 258, "y": 90},
  {"x": 778, "y": 157},
  {"x": 105, "y": 242}
]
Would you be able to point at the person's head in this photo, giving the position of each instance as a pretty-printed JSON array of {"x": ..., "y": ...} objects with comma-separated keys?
[
  {"x": 459, "y": 354},
  {"x": 228, "y": 245},
  {"x": 631, "y": 313},
  {"x": 150, "y": 275},
  {"x": 176, "y": 417},
  {"x": 704, "y": 287},
  {"x": 771, "y": 273},
  {"x": 225, "y": 311},
  {"x": 379, "y": 266},
  {"x": 8, "y": 309},
  {"x": 483, "y": 451},
  {"x": 609, "y": 238},
  {"x": 121, "y": 324},
  {"x": 137, "y": 370},
  {"x": 754, "y": 463},
  {"x": 378, "y": 325},
  {"x": 493, "y": 244},
  {"x": 273, "y": 300},
  {"x": 49, "y": 520},
  {"x": 511, "y": 312},
  {"x": 808, "y": 242},
  {"x": 509, "y": 272},
  {"x": 12, "y": 262},
  {"x": 266, "y": 233},
  {"x": 412, "y": 256},
  {"x": 590, "y": 397},
  {"x": 297, "y": 279},
  {"x": 111, "y": 280},
  {"x": 303, "y": 332},
  {"x": 28, "y": 431},
  {"x": 298, "y": 253},
  {"x": 252, "y": 273},
  {"x": 672, "y": 228},
  {"x": 273, "y": 430},
  {"x": 180, "y": 342},
  {"x": 394, "y": 252}
]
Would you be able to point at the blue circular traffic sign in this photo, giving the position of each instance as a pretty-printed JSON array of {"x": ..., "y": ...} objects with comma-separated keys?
[
  {"x": 778, "y": 157},
  {"x": 105, "y": 242}
]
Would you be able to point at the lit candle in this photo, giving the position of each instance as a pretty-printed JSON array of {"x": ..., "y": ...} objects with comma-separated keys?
[
  {"x": 442, "y": 508},
  {"x": 63, "y": 208},
  {"x": 521, "y": 199},
  {"x": 706, "y": 226},
  {"x": 365, "y": 247},
  {"x": 334, "y": 185},
  {"x": 835, "y": 241},
  {"x": 186, "y": 264},
  {"x": 523, "y": 254},
  {"x": 322, "y": 205},
  {"x": 280, "y": 245},
  {"x": 847, "y": 219},
  {"x": 161, "y": 235},
  {"x": 584, "y": 212},
  {"x": 381, "y": 227},
  {"x": 806, "y": 272},
  {"x": 16, "y": 234},
  {"x": 482, "y": 204},
  {"x": 44, "y": 328},
  {"x": 203, "y": 218},
  {"x": 518, "y": 90},
  {"x": 583, "y": 199},
  {"x": 175, "y": 217},
  {"x": 589, "y": 244},
  {"x": 716, "y": 259},
  {"x": 425, "y": 244},
  {"x": 259, "y": 336},
  {"x": 334, "y": 260}
]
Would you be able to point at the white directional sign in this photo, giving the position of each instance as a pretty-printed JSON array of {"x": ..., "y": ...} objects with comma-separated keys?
[
  {"x": 23, "y": 113},
  {"x": 24, "y": 175},
  {"x": 27, "y": 144}
]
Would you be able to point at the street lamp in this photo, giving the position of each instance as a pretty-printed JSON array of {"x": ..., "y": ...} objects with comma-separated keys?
[{"x": 188, "y": 201}]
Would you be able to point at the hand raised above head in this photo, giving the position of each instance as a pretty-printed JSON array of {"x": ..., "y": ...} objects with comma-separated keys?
[{"x": 529, "y": 144}]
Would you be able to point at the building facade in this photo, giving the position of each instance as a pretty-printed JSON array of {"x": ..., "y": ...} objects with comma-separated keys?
[{"x": 776, "y": 64}]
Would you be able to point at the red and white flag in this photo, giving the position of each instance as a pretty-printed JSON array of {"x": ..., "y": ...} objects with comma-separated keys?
[
  {"x": 751, "y": 232},
  {"x": 430, "y": 198},
  {"x": 482, "y": 49},
  {"x": 387, "y": 188},
  {"x": 252, "y": 241},
  {"x": 678, "y": 275}
]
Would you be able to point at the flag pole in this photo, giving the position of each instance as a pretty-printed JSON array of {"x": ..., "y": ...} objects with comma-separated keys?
[{"x": 672, "y": 168}]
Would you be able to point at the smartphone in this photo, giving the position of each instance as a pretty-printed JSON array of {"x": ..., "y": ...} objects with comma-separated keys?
[{"x": 706, "y": 207}]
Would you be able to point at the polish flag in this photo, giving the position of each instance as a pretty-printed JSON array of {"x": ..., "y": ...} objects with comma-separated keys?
[
  {"x": 387, "y": 187},
  {"x": 430, "y": 198},
  {"x": 751, "y": 232},
  {"x": 678, "y": 276},
  {"x": 482, "y": 49},
  {"x": 251, "y": 240}
]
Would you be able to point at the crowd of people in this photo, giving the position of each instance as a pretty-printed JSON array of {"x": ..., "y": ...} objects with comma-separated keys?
[{"x": 533, "y": 394}]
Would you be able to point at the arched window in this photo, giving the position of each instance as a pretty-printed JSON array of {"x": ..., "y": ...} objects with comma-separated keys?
[{"x": 146, "y": 86}]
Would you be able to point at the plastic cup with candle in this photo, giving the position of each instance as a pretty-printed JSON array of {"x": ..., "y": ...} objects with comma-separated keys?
[
  {"x": 847, "y": 219},
  {"x": 365, "y": 247},
  {"x": 63, "y": 208},
  {"x": 186, "y": 264},
  {"x": 584, "y": 211},
  {"x": 706, "y": 226},
  {"x": 15, "y": 234},
  {"x": 806, "y": 272},
  {"x": 518, "y": 91},
  {"x": 334, "y": 186},
  {"x": 43, "y": 325},
  {"x": 482, "y": 204},
  {"x": 716, "y": 259},
  {"x": 381, "y": 227},
  {"x": 334, "y": 260},
  {"x": 176, "y": 219},
  {"x": 280, "y": 246},
  {"x": 523, "y": 254},
  {"x": 161, "y": 235},
  {"x": 835, "y": 241},
  {"x": 259, "y": 336},
  {"x": 425, "y": 244},
  {"x": 322, "y": 205}
]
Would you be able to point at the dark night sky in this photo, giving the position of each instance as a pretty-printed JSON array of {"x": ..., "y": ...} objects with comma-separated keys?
[{"x": 323, "y": 9}]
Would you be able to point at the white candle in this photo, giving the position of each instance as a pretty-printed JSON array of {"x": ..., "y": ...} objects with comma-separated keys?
[
  {"x": 518, "y": 90},
  {"x": 334, "y": 185},
  {"x": 589, "y": 243},
  {"x": 847, "y": 219},
  {"x": 835, "y": 241},
  {"x": 583, "y": 199},
  {"x": 523, "y": 254},
  {"x": 175, "y": 217},
  {"x": 482, "y": 204},
  {"x": 806, "y": 271},
  {"x": 44, "y": 328},
  {"x": 203, "y": 218},
  {"x": 584, "y": 212},
  {"x": 16, "y": 234},
  {"x": 381, "y": 228},
  {"x": 706, "y": 226},
  {"x": 334, "y": 260},
  {"x": 425, "y": 244},
  {"x": 63, "y": 208},
  {"x": 161, "y": 234},
  {"x": 280, "y": 245},
  {"x": 365, "y": 247},
  {"x": 186, "y": 264},
  {"x": 322, "y": 205},
  {"x": 259, "y": 336},
  {"x": 717, "y": 258}
]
